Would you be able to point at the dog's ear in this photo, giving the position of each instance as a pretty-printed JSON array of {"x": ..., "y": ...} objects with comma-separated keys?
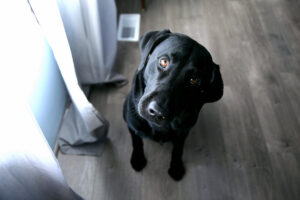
[
  {"x": 148, "y": 42},
  {"x": 149, "y": 38},
  {"x": 145, "y": 38},
  {"x": 214, "y": 92}
]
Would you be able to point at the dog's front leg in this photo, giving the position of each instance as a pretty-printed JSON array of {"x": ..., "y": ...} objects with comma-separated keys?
[
  {"x": 138, "y": 160},
  {"x": 176, "y": 170}
]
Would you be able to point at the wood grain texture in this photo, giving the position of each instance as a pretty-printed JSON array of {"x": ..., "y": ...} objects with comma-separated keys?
[{"x": 247, "y": 145}]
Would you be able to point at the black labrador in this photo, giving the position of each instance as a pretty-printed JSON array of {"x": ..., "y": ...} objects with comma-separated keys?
[{"x": 176, "y": 77}]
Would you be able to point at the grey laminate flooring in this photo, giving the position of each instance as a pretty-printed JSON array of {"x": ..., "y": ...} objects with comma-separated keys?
[{"x": 247, "y": 145}]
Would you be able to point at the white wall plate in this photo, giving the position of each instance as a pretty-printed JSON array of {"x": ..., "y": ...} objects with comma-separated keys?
[{"x": 129, "y": 27}]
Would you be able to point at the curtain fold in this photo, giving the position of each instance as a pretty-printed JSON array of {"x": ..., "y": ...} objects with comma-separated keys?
[{"x": 82, "y": 35}]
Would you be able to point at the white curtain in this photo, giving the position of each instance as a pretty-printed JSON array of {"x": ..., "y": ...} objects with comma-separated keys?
[
  {"x": 28, "y": 167},
  {"x": 82, "y": 35},
  {"x": 91, "y": 28}
]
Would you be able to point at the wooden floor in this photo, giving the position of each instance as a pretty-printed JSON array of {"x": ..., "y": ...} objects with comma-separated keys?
[{"x": 246, "y": 146}]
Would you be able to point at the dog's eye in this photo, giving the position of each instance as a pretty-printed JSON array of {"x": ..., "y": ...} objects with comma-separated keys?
[
  {"x": 194, "y": 81},
  {"x": 164, "y": 62}
]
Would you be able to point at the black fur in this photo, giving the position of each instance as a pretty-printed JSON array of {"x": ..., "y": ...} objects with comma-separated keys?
[{"x": 164, "y": 103}]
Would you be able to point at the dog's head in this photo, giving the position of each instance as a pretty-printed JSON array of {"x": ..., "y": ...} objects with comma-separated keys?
[{"x": 175, "y": 78}]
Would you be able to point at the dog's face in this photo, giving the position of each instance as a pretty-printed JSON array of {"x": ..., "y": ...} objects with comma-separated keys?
[{"x": 179, "y": 76}]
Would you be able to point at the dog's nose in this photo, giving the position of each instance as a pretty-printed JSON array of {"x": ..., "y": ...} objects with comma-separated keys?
[{"x": 154, "y": 110}]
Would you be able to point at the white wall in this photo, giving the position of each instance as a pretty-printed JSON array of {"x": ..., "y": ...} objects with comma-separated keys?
[{"x": 48, "y": 97}]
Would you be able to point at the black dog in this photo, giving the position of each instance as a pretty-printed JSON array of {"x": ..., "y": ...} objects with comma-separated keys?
[{"x": 175, "y": 78}]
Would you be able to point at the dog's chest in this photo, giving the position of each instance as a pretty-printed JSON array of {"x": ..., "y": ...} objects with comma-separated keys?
[{"x": 158, "y": 136}]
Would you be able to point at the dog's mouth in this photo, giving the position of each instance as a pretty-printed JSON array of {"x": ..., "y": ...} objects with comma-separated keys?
[
  {"x": 162, "y": 121},
  {"x": 159, "y": 121},
  {"x": 149, "y": 110}
]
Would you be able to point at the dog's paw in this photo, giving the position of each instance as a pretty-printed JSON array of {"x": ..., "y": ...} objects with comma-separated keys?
[
  {"x": 138, "y": 161},
  {"x": 177, "y": 171}
]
